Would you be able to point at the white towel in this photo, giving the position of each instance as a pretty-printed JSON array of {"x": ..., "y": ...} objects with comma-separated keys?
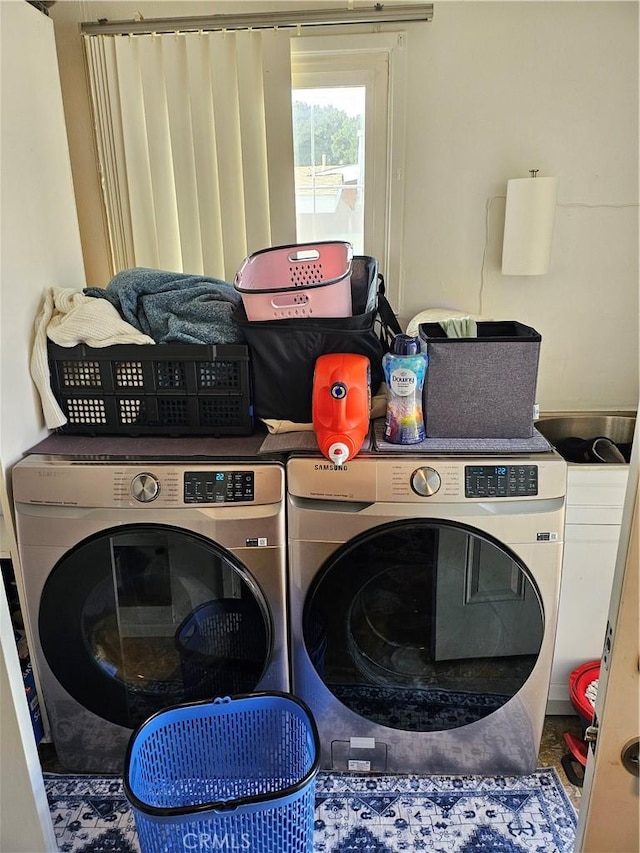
[{"x": 68, "y": 317}]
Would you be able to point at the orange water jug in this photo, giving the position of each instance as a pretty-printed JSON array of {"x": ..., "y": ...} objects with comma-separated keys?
[{"x": 340, "y": 404}]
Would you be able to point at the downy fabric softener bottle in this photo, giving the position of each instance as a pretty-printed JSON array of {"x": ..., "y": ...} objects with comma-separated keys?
[{"x": 405, "y": 368}]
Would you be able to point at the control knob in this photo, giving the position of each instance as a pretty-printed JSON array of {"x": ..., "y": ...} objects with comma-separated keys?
[
  {"x": 145, "y": 488},
  {"x": 425, "y": 481}
]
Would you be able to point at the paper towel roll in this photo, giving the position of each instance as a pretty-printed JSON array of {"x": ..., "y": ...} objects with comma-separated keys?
[{"x": 528, "y": 225}]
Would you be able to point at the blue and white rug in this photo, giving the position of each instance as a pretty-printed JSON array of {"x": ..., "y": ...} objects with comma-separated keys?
[{"x": 360, "y": 814}]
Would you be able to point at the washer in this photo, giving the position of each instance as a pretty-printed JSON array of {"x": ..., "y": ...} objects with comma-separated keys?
[
  {"x": 148, "y": 584},
  {"x": 423, "y": 600}
]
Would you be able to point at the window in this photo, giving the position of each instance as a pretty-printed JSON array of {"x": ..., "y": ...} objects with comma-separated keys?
[
  {"x": 196, "y": 146},
  {"x": 348, "y": 142},
  {"x": 329, "y": 146},
  {"x": 195, "y": 149}
]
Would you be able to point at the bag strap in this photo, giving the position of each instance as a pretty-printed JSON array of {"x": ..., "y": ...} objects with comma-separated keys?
[{"x": 386, "y": 319}]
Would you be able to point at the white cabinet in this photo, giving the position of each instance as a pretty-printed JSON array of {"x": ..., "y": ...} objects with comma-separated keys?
[{"x": 595, "y": 497}]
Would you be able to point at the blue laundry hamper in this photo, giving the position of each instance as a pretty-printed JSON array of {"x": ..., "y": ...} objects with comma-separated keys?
[
  {"x": 234, "y": 774},
  {"x": 223, "y": 648}
]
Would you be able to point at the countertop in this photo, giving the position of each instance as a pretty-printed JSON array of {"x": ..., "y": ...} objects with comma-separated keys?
[{"x": 150, "y": 447}]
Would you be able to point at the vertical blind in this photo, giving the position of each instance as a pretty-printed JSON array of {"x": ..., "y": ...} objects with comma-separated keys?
[{"x": 195, "y": 149}]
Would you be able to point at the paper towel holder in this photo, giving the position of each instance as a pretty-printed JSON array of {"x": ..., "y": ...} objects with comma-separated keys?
[{"x": 528, "y": 225}]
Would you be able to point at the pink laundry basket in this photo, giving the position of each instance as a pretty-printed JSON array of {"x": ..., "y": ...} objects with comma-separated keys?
[{"x": 301, "y": 280}]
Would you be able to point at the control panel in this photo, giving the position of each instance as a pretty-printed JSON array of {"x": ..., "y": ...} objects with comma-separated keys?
[
  {"x": 218, "y": 486},
  {"x": 429, "y": 480},
  {"x": 215, "y": 485},
  {"x": 500, "y": 481}
]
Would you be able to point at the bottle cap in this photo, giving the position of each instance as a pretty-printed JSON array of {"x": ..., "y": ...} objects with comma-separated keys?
[
  {"x": 338, "y": 453},
  {"x": 405, "y": 345}
]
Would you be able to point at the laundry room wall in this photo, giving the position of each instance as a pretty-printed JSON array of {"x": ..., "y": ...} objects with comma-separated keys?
[
  {"x": 41, "y": 248},
  {"x": 39, "y": 224},
  {"x": 493, "y": 89},
  {"x": 496, "y": 89}
]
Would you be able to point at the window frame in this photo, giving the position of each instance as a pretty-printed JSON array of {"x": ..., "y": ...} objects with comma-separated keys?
[{"x": 376, "y": 61}]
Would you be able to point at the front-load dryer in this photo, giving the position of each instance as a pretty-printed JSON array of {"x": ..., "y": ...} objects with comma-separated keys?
[
  {"x": 148, "y": 584},
  {"x": 423, "y": 599}
]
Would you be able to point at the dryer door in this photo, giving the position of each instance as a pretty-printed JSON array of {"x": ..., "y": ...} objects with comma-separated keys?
[
  {"x": 423, "y": 625},
  {"x": 144, "y": 616}
]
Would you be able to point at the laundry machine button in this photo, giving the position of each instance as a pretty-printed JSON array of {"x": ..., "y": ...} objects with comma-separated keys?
[
  {"x": 145, "y": 488},
  {"x": 425, "y": 481}
]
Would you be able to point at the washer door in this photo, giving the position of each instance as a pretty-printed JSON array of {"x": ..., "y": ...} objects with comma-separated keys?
[
  {"x": 140, "y": 617},
  {"x": 423, "y": 625}
]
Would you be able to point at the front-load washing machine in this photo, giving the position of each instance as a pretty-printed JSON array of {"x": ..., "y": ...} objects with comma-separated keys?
[
  {"x": 423, "y": 599},
  {"x": 148, "y": 584}
]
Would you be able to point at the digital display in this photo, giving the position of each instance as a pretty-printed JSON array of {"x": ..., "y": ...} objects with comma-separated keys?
[
  {"x": 500, "y": 481},
  {"x": 213, "y": 487}
]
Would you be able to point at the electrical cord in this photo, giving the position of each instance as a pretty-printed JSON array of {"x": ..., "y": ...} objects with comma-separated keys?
[{"x": 558, "y": 204}]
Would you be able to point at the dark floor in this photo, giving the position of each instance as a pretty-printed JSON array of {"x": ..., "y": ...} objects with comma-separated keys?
[{"x": 552, "y": 749}]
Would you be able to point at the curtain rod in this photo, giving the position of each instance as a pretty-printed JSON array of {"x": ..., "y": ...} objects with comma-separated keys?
[{"x": 377, "y": 14}]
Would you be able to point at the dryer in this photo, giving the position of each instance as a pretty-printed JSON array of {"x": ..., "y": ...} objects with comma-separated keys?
[
  {"x": 148, "y": 583},
  {"x": 423, "y": 595}
]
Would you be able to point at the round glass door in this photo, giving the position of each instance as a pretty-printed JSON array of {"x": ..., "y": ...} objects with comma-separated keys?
[
  {"x": 140, "y": 617},
  {"x": 423, "y": 625}
]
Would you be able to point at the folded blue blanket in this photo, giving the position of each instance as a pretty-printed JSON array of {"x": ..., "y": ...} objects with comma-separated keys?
[{"x": 174, "y": 307}]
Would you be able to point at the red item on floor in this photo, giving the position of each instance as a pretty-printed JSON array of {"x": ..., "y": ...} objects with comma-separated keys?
[
  {"x": 579, "y": 680},
  {"x": 578, "y": 748}
]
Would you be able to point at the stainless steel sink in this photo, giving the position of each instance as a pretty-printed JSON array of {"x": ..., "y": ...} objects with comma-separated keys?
[{"x": 618, "y": 427}]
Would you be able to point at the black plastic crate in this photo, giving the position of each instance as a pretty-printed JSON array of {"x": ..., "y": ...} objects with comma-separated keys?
[{"x": 166, "y": 389}]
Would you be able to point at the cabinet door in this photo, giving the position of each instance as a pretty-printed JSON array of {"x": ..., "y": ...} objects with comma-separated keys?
[
  {"x": 595, "y": 494},
  {"x": 587, "y": 576}
]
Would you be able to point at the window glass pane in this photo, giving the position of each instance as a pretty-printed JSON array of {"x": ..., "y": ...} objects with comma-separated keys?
[
  {"x": 328, "y": 135},
  {"x": 143, "y": 617},
  {"x": 382, "y": 626}
]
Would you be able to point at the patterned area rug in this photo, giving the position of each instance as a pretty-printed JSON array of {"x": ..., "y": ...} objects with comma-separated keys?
[
  {"x": 360, "y": 814},
  {"x": 417, "y": 710}
]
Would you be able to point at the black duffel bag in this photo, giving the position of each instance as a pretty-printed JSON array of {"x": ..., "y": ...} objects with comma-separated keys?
[{"x": 284, "y": 352}]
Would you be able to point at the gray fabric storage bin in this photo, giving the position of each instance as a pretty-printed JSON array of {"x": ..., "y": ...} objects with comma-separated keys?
[{"x": 482, "y": 387}]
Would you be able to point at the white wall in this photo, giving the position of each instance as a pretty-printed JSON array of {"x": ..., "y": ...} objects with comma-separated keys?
[
  {"x": 494, "y": 89},
  {"x": 40, "y": 248},
  {"x": 40, "y": 242}
]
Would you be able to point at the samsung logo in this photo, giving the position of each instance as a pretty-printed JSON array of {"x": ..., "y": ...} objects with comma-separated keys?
[{"x": 327, "y": 467}]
